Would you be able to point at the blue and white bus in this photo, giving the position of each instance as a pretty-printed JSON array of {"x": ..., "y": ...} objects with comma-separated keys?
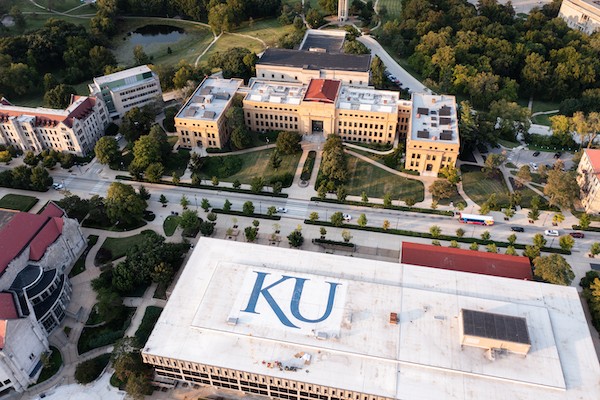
[{"x": 476, "y": 219}]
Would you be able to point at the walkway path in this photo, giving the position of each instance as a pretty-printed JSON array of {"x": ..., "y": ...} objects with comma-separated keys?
[{"x": 368, "y": 150}]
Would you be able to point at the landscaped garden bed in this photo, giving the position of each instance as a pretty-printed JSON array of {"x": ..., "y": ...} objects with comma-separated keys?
[{"x": 18, "y": 202}]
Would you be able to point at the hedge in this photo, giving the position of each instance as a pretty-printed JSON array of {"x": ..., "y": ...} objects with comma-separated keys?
[
  {"x": 589, "y": 228},
  {"x": 242, "y": 214},
  {"x": 397, "y": 208},
  {"x": 333, "y": 242},
  {"x": 206, "y": 187},
  {"x": 426, "y": 235}
]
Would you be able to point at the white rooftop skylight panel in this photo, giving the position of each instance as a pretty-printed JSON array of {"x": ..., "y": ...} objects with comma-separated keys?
[
  {"x": 294, "y": 101},
  {"x": 365, "y": 107},
  {"x": 255, "y": 97},
  {"x": 275, "y": 99}
]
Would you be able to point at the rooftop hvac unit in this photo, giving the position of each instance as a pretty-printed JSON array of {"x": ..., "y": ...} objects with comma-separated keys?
[
  {"x": 322, "y": 335},
  {"x": 393, "y": 318},
  {"x": 232, "y": 321}
]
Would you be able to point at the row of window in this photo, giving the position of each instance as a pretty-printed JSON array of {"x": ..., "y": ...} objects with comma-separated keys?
[
  {"x": 208, "y": 135},
  {"x": 366, "y": 140},
  {"x": 431, "y": 157},
  {"x": 280, "y": 125},
  {"x": 137, "y": 89},
  {"x": 363, "y": 133},
  {"x": 430, "y": 147}
]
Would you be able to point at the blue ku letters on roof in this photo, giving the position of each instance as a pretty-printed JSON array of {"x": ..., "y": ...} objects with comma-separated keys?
[{"x": 286, "y": 312}]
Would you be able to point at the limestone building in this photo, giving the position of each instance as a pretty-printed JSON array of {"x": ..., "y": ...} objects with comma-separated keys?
[
  {"x": 343, "y": 7},
  {"x": 583, "y": 15},
  {"x": 201, "y": 120},
  {"x": 123, "y": 90},
  {"x": 432, "y": 142},
  {"x": 588, "y": 178},
  {"x": 302, "y": 66},
  {"x": 75, "y": 129},
  {"x": 37, "y": 252},
  {"x": 298, "y": 325}
]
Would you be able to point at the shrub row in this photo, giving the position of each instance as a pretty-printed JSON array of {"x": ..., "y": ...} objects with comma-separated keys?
[
  {"x": 398, "y": 208},
  {"x": 426, "y": 235},
  {"x": 333, "y": 242},
  {"x": 242, "y": 214},
  {"x": 206, "y": 187},
  {"x": 589, "y": 228}
]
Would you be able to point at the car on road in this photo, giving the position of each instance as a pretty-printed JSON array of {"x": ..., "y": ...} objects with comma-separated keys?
[
  {"x": 118, "y": 137},
  {"x": 517, "y": 229},
  {"x": 551, "y": 232},
  {"x": 577, "y": 235},
  {"x": 57, "y": 186},
  {"x": 347, "y": 217},
  {"x": 533, "y": 166},
  {"x": 536, "y": 153},
  {"x": 282, "y": 210},
  {"x": 557, "y": 154}
]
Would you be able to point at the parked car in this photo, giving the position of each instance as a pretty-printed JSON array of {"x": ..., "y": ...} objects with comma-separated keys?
[
  {"x": 282, "y": 210},
  {"x": 557, "y": 154},
  {"x": 533, "y": 166},
  {"x": 517, "y": 229},
  {"x": 347, "y": 217},
  {"x": 577, "y": 235},
  {"x": 551, "y": 232},
  {"x": 118, "y": 137},
  {"x": 536, "y": 153},
  {"x": 57, "y": 186}
]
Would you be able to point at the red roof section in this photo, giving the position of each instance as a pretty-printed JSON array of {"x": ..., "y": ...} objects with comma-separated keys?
[
  {"x": 322, "y": 90},
  {"x": 476, "y": 262},
  {"x": 7, "y": 307},
  {"x": 594, "y": 156},
  {"x": 39, "y": 231},
  {"x": 42, "y": 119}
]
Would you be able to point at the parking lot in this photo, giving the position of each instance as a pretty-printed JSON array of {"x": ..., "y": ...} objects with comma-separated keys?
[{"x": 521, "y": 156}]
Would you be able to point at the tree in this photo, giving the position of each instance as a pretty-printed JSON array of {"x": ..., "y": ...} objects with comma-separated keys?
[
  {"x": 18, "y": 18},
  {"x": 248, "y": 208},
  {"x": 566, "y": 242},
  {"x": 524, "y": 175},
  {"x": 154, "y": 172},
  {"x": 288, "y": 142},
  {"x": 595, "y": 249},
  {"x": 377, "y": 72},
  {"x": 40, "y": 178},
  {"x": 386, "y": 225},
  {"x": 533, "y": 215},
  {"x": 205, "y": 204},
  {"x": 435, "y": 231},
  {"x": 143, "y": 193},
  {"x": 491, "y": 248},
  {"x": 410, "y": 201},
  {"x": 510, "y": 251},
  {"x": 138, "y": 121},
  {"x": 460, "y": 232},
  {"x": 272, "y": 210},
  {"x": 59, "y": 96},
  {"x": 175, "y": 178},
  {"x": 31, "y": 159},
  {"x": 123, "y": 204},
  {"x": 355, "y": 47},
  {"x": 441, "y": 189},
  {"x": 342, "y": 193},
  {"x": 250, "y": 233},
  {"x": 275, "y": 160},
  {"x": 337, "y": 218},
  {"x": 257, "y": 184},
  {"x": 330, "y": 6},
  {"x": 163, "y": 200},
  {"x": 184, "y": 202},
  {"x": 363, "y": 197},
  {"x": 215, "y": 181},
  {"x": 314, "y": 216},
  {"x": 584, "y": 221},
  {"x": 362, "y": 220},
  {"x": 237, "y": 62},
  {"x": 539, "y": 240},
  {"x": 207, "y": 228},
  {"x": 189, "y": 222},
  {"x": 553, "y": 269},
  {"x": 139, "y": 55},
  {"x": 512, "y": 238},
  {"x": 146, "y": 151},
  {"x": 492, "y": 162},
  {"x": 333, "y": 162},
  {"x": 49, "y": 161},
  {"x": 531, "y": 252},
  {"x": 295, "y": 238},
  {"x": 561, "y": 188},
  {"x": 346, "y": 235},
  {"x": 509, "y": 212},
  {"x": 322, "y": 191},
  {"x": 323, "y": 232},
  {"x": 387, "y": 199},
  {"x": 89, "y": 370},
  {"x": 227, "y": 205},
  {"x": 558, "y": 218},
  {"x": 474, "y": 246},
  {"x": 314, "y": 18},
  {"x": 211, "y": 216},
  {"x": 451, "y": 173}
]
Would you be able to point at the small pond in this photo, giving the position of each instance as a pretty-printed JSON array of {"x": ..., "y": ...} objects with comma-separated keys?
[{"x": 150, "y": 34}]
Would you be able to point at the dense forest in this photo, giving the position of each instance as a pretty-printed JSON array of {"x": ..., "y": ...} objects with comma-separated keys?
[{"x": 487, "y": 53}]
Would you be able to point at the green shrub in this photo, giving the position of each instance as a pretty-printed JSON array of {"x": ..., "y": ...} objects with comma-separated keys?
[
  {"x": 148, "y": 321},
  {"x": 88, "y": 371},
  {"x": 285, "y": 179}
]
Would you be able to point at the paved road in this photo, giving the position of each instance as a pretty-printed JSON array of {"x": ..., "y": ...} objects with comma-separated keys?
[{"x": 406, "y": 79}]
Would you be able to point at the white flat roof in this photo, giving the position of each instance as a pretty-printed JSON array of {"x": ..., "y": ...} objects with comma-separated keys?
[
  {"x": 434, "y": 118},
  {"x": 276, "y": 92},
  {"x": 242, "y": 306},
  {"x": 121, "y": 74},
  {"x": 210, "y": 99},
  {"x": 368, "y": 99}
]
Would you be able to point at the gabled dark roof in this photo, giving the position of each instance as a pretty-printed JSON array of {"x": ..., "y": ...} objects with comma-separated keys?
[{"x": 315, "y": 60}]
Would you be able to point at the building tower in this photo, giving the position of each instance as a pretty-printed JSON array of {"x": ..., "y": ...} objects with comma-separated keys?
[{"x": 342, "y": 10}]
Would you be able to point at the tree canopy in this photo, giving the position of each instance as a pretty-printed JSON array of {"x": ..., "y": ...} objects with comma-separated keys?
[
  {"x": 553, "y": 269},
  {"x": 123, "y": 204}
]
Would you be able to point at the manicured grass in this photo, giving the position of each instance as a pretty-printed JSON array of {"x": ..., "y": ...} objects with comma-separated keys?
[
  {"x": 507, "y": 144},
  {"x": 188, "y": 48},
  {"x": 18, "y": 202},
  {"x": 269, "y": 30},
  {"x": 542, "y": 119},
  {"x": 256, "y": 163},
  {"x": 177, "y": 162},
  {"x": 394, "y": 7},
  {"x": 79, "y": 266},
  {"x": 170, "y": 225},
  {"x": 148, "y": 321},
  {"x": 54, "y": 363},
  {"x": 455, "y": 199},
  {"x": 92, "y": 338},
  {"x": 376, "y": 182},
  {"x": 228, "y": 41},
  {"x": 119, "y": 246},
  {"x": 479, "y": 187},
  {"x": 539, "y": 105}
]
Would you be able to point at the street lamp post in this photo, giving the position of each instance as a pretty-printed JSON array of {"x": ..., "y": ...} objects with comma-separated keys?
[
  {"x": 196, "y": 201},
  {"x": 260, "y": 207}
]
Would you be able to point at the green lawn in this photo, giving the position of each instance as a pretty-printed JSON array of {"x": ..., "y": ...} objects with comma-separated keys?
[
  {"x": 188, "y": 48},
  {"x": 479, "y": 187},
  {"x": 228, "y": 41},
  {"x": 92, "y": 338},
  {"x": 542, "y": 119},
  {"x": 54, "y": 363},
  {"x": 148, "y": 321},
  {"x": 539, "y": 105},
  {"x": 177, "y": 162},
  {"x": 376, "y": 182},
  {"x": 394, "y": 7},
  {"x": 269, "y": 30},
  {"x": 119, "y": 246},
  {"x": 256, "y": 163},
  {"x": 508, "y": 144},
  {"x": 170, "y": 225},
  {"x": 79, "y": 265},
  {"x": 18, "y": 202},
  {"x": 455, "y": 199}
]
